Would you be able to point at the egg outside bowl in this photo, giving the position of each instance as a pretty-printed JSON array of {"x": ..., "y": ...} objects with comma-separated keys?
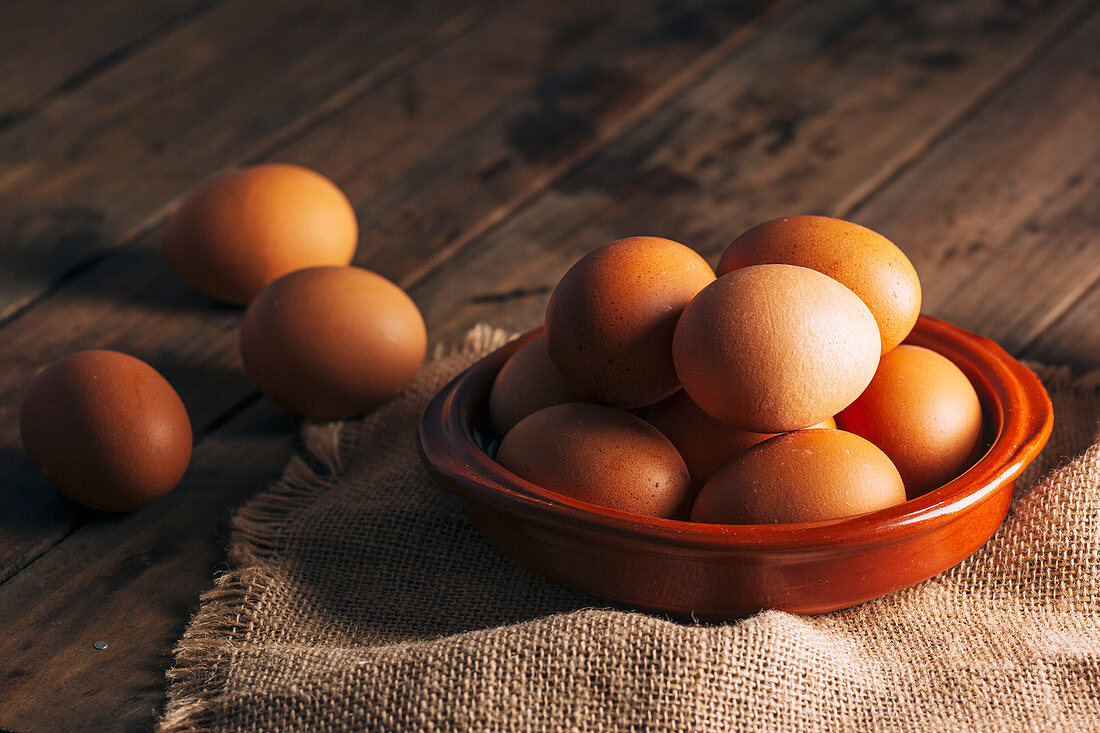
[{"x": 713, "y": 571}]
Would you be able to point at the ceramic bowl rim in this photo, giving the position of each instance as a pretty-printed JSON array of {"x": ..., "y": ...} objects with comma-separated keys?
[{"x": 1014, "y": 401}]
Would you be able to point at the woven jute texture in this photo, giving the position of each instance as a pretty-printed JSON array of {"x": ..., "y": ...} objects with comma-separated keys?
[{"x": 361, "y": 598}]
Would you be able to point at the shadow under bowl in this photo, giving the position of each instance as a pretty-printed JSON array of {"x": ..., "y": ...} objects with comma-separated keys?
[{"x": 713, "y": 571}]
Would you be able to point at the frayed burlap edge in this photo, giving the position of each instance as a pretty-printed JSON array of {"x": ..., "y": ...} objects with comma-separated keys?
[{"x": 229, "y": 611}]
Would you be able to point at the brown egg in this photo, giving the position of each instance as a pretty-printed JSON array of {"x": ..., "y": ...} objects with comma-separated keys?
[
  {"x": 704, "y": 443},
  {"x": 332, "y": 342},
  {"x": 772, "y": 348},
  {"x": 241, "y": 231},
  {"x": 804, "y": 476},
  {"x": 600, "y": 455},
  {"x": 527, "y": 383},
  {"x": 865, "y": 261},
  {"x": 922, "y": 411},
  {"x": 106, "y": 430},
  {"x": 610, "y": 321}
]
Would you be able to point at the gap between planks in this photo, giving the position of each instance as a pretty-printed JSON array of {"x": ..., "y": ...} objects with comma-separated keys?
[
  {"x": 665, "y": 94},
  {"x": 851, "y": 204},
  {"x": 653, "y": 100},
  {"x": 108, "y": 60},
  {"x": 438, "y": 39},
  {"x": 925, "y": 143},
  {"x": 1064, "y": 307}
]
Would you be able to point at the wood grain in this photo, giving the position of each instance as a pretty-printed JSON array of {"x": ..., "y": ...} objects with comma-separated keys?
[
  {"x": 128, "y": 301},
  {"x": 194, "y": 344},
  {"x": 47, "y": 51},
  {"x": 704, "y": 176},
  {"x": 425, "y": 189},
  {"x": 1073, "y": 337},
  {"x": 1000, "y": 220},
  {"x": 98, "y": 165},
  {"x": 837, "y": 105},
  {"x": 131, "y": 581},
  {"x": 83, "y": 145},
  {"x": 162, "y": 622}
]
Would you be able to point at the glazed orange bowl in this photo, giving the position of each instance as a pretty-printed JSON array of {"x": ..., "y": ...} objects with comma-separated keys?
[{"x": 714, "y": 571}]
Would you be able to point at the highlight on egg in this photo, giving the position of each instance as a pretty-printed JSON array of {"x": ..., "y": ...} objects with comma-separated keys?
[
  {"x": 239, "y": 232},
  {"x": 802, "y": 476},
  {"x": 773, "y": 348}
]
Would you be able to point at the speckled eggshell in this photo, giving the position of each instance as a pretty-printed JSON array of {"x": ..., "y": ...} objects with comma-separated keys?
[
  {"x": 332, "y": 342},
  {"x": 869, "y": 264},
  {"x": 241, "y": 231},
  {"x": 804, "y": 476},
  {"x": 610, "y": 321},
  {"x": 527, "y": 383},
  {"x": 601, "y": 455},
  {"x": 772, "y": 348},
  {"x": 922, "y": 411},
  {"x": 106, "y": 430},
  {"x": 704, "y": 443}
]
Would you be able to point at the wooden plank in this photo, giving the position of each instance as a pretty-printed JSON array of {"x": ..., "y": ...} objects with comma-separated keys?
[
  {"x": 49, "y": 47},
  {"x": 562, "y": 218},
  {"x": 129, "y": 302},
  {"x": 96, "y": 166},
  {"x": 142, "y": 664},
  {"x": 131, "y": 581},
  {"x": 35, "y": 517},
  {"x": 68, "y": 152},
  {"x": 1073, "y": 336},
  {"x": 824, "y": 130},
  {"x": 1000, "y": 220},
  {"x": 461, "y": 140}
]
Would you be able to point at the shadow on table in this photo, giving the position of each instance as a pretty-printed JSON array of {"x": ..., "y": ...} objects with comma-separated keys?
[
  {"x": 33, "y": 516},
  {"x": 135, "y": 275}
]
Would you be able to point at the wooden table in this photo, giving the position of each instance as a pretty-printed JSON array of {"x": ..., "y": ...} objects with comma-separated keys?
[{"x": 486, "y": 146}]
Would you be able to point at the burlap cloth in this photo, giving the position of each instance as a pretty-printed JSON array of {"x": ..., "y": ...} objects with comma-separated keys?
[{"x": 360, "y": 597}]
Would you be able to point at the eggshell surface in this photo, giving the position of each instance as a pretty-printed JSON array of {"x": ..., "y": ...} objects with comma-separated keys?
[
  {"x": 601, "y": 455},
  {"x": 772, "y": 348},
  {"x": 804, "y": 476},
  {"x": 106, "y": 430},
  {"x": 611, "y": 319},
  {"x": 704, "y": 443},
  {"x": 332, "y": 342},
  {"x": 527, "y": 383},
  {"x": 866, "y": 262},
  {"x": 241, "y": 231},
  {"x": 922, "y": 411}
]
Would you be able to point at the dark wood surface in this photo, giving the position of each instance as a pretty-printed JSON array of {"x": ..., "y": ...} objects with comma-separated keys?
[{"x": 485, "y": 147}]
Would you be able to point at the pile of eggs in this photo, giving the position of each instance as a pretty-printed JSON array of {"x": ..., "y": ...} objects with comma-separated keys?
[
  {"x": 777, "y": 391},
  {"x": 322, "y": 338}
]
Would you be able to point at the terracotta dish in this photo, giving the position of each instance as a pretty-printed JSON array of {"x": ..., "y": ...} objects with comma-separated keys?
[{"x": 716, "y": 571}]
